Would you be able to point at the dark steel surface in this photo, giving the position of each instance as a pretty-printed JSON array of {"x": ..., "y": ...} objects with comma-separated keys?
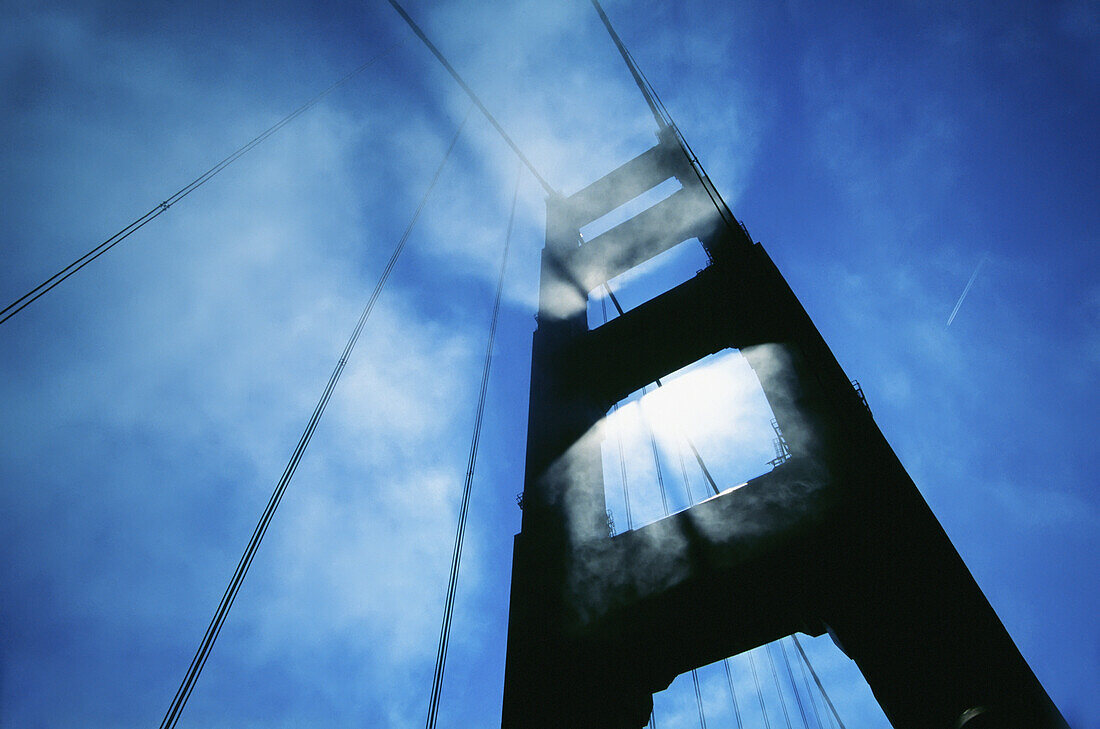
[{"x": 838, "y": 538}]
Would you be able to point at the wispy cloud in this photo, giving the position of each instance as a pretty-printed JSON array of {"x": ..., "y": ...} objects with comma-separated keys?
[{"x": 150, "y": 406}]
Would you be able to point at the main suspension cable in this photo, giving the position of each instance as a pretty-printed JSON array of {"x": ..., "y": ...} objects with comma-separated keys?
[
  {"x": 460, "y": 533},
  {"x": 634, "y": 70},
  {"x": 473, "y": 97},
  {"x": 191, "y": 677},
  {"x": 665, "y": 120},
  {"x": 41, "y": 289}
]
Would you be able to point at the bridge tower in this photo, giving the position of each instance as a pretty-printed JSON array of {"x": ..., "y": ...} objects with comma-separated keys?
[{"x": 835, "y": 539}]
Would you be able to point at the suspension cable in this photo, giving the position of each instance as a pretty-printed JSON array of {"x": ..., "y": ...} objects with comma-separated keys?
[
  {"x": 699, "y": 700},
  {"x": 191, "y": 677},
  {"x": 694, "y": 161},
  {"x": 817, "y": 680},
  {"x": 634, "y": 71},
  {"x": 725, "y": 662},
  {"x": 810, "y": 693},
  {"x": 619, "y": 443},
  {"x": 794, "y": 686},
  {"x": 759, "y": 691},
  {"x": 778, "y": 690},
  {"x": 665, "y": 120},
  {"x": 664, "y": 498},
  {"x": 733, "y": 693},
  {"x": 622, "y": 472},
  {"x": 41, "y": 289},
  {"x": 645, "y": 423},
  {"x": 473, "y": 97},
  {"x": 656, "y": 455},
  {"x": 684, "y": 475},
  {"x": 664, "y": 503},
  {"x": 460, "y": 533}
]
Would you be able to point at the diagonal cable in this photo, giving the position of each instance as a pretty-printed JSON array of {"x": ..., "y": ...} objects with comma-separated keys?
[
  {"x": 817, "y": 680},
  {"x": 794, "y": 685},
  {"x": 759, "y": 691},
  {"x": 460, "y": 533},
  {"x": 665, "y": 121},
  {"x": 810, "y": 693},
  {"x": 172, "y": 716},
  {"x": 778, "y": 690},
  {"x": 473, "y": 97},
  {"x": 41, "y": 289}
]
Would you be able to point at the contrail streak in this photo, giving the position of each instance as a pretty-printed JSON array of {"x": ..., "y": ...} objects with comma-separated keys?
[{"x": 966, "y": 290}]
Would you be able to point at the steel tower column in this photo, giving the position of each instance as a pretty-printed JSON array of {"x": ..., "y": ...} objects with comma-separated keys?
[{"x": 836, "y": 539}]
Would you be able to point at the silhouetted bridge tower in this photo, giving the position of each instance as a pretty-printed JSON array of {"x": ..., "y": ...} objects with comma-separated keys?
[{"x": 837, "y": 538}]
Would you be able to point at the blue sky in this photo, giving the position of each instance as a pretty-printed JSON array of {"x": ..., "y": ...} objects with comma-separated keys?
[{"x": 879, "y": 151}]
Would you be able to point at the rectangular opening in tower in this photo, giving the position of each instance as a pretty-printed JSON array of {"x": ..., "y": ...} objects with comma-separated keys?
[
  {"x": 760, "y": 687},
  {"x": 715, "y": 408},
  {"x": 629, "y": 209},
  {"x": 659, "y": 274}
]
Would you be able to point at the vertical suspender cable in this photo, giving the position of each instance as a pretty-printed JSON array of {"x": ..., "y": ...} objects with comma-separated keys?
[
  {"x": 191, "y": 677},
  {"x": 794, "y": 686},
  {"x": 664, "y": 503},
  {"x": 810, "y": 693},
  {"x": 759, "y": 691},
  {"x": 684, "y": 475},
  {"x": 690, "y": 442},
  {"x": 726, "y": 662},
  {"x": 664, "y": 498},
  {"x": 817, "y": 680},
  {"x": 656, "y": 455},
  {"x": 460, "y": 533},
  {"x": 733, "y": 693},
  {"x": 778, "y": 690},
  {"x": 619, "y": 443},
  {"x": 699, "y": 700},
  {"x": 622, "y": 471},
  {"x": 645, "y": 422}
]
